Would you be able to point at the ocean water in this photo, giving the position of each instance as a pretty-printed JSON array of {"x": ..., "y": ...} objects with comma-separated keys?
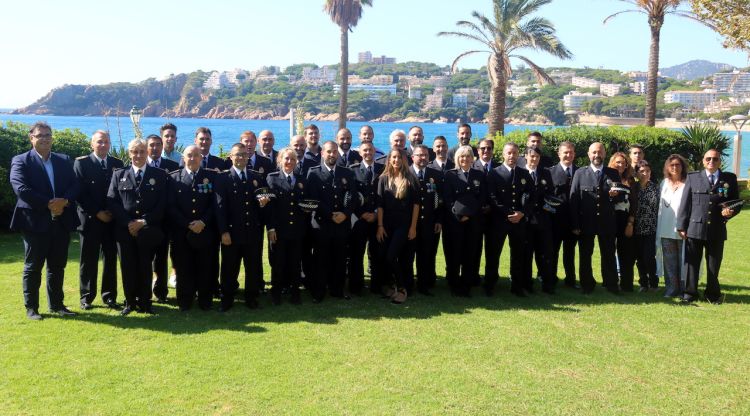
[{"x": 227, "y": 132}]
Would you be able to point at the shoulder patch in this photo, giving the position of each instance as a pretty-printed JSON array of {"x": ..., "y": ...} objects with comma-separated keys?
[{"x": 82, "y": 157}]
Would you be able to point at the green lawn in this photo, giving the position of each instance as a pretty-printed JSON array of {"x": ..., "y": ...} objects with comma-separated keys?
[{"x": 567, "y": 354}]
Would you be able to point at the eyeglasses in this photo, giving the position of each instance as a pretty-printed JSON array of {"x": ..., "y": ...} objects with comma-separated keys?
[
  {"x": 711, "y": 159},
  {"x": 485, "y": 148}
]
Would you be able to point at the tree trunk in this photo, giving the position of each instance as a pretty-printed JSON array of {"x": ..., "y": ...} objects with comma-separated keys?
[
  {"x": 652, "y": 83},
  {"x": 498, "y": 84},
  {"x": 344, "y": 91}
]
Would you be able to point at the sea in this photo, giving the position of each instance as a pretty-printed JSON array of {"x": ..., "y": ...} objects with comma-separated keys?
[{"x": 226, "y": 132}]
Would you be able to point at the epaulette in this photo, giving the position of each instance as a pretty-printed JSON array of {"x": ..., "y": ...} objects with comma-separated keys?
[
  {"x": 122, "y": 168},
  {"x": 355, "y": 165},
  {"x": 82, "y": 157},
  {"x": 315, "y": 167},
  {"x": 115, "y": 158},
  {"x": 175, "y": 171},
  {"x": 276, "y": 173}
]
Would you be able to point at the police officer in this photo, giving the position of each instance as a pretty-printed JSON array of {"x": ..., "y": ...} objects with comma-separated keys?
[
  {"x": 592, "y": 214},
  {"x": 347, "y": 155},
  {"x": 267, "y": 140},
  {"x": 415, "y": 137},
  {"x": 192, "y": 209},
  {"x": 562, "y": 177},
  {"x": 702, "y": 221},
  {"x": 287, "y": 224},
  {"x": 464, "y": 195},
  {"x": 255, "y": 162},
  {"x": 97, "y": 233},
  {"x": 137, "y": 198},
  {"x": 484, "y": 163},
  {"x": 441, "y": 161},
  {"x": 536, "y": 141},
  {"x": 362, "y": 237},
  {"x": 310, "y": 159},
  {"x": 240, "y": 224},
  {"x": 397, "y": 139},
  {"x": 156, "y": 160},
  {"x": 511, "y": 197},
  {"x": 464, "y": 139},
  {"x": 539, "y": 237},
  {"x": 329, "y": 184},
  {"x": 430, "y": 220}
]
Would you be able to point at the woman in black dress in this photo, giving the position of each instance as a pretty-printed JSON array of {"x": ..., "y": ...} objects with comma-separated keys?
[
  {"x": 644, "y": 231},
  {"x": 625, "y": 207},
  {"x": 397, "y": 222}
]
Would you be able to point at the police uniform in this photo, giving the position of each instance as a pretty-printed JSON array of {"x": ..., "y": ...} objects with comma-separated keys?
[
  {"x": 351, "y": 157},
  {"x": 95, "y": 176},
  {"x": 212, "y": 162},
  {"x": 132, "y": 198},
  {"x": 700, "y": 217},
  {"x": 330, "y": 188},
  {"x": 161, "y": 267},
  {"x": 240, "y": 215},
  {"x": 429, "y": 198},
  {"x": 452, "y": 151},
  {"x": 484, "y": 222},
  {"x": 363, "y": 233},
  {"x": 545, "y": 162},
  {"x": 448, "y": 165},
  {"x": 539, "y": 237},
  {"x": 509, "y": 191},
  {"x": 309, "y": 160},
  {"x": 464, "y": 195},
  {"x": 272, "y": 157},
  {"x": 561, "y": 232},
  {"x": 592, "y": 212},
  {"x": 190, "y": 199},
  {"x": 290, "y": 223}
]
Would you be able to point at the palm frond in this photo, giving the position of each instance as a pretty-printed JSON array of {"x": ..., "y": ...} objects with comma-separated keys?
[
  {"x": 459, "y": 57},
  {"x": 474, "y": 27},
  {"x": 538, "y": 71},
  {"x": 466, "y": 36},
  {"x": 612, "y": 16}
]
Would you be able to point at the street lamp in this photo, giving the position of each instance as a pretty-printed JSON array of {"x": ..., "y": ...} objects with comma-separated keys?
[
  {"x": 135, "y": 117},
  {"x": 738, "y": 120}
]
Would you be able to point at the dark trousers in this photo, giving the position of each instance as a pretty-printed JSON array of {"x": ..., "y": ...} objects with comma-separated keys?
[
  {"x": 161, "y": 269},
  {"x": 459, "y": 243},
  {"x": 714, "y": 252},
  {"x": 425, "y": 248},
  {"x": 331, "y": 244},
  {"x": 194, "y": 266},
  {"x": 361, "y": 240},
  {"x": 645, "y": 247},
  {"x": 516, "y": 234},
  {"x": 539, "y": 248},
  {"x": 397, "y": 258},
  {"x": 98, "y": 238},
  {"x": 232, "y": 256},
  {"x": 483, "y": 237},
  {"x": 608, "y": 263},
  {"x": 135, "y": 266},
  {"x": 50, "y": 247},
  {"x": 285, "y": 265},
  {"x": 568, "y": 241},
  {"x": 309, "y": 263},
  {"x": 626, "y": 254}
]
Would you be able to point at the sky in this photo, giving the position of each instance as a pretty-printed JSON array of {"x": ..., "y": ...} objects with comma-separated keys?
[{"x": 46, "y": 44}]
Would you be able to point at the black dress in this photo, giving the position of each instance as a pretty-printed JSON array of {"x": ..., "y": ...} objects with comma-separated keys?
[{"x": 397, "y": 216}]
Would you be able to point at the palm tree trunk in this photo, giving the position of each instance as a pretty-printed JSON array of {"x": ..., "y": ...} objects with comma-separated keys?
[
  {"x": 344, "y": 91},
  {"x": 497, "y": 97},
  {"x": 653, "y": 74}
]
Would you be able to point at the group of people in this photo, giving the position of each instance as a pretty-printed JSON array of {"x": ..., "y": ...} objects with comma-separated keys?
[{"x": 321, "y": 208}]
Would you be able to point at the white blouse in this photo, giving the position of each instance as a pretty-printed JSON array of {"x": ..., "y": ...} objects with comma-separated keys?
[{"x": 669, "y": 206}]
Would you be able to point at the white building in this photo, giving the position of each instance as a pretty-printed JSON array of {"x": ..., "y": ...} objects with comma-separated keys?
[
  {"x": 318, "y": 76},
  {"x": 415, "y": 92},
  {"x": 638, "y": 87},
  {"x": 582, "y": 82},
  {"x": 460, "y": 100},
  {"x": 696, "y": 100},
  {"x": 225, "y": 79},
  {"x": 732, "y": 82},
  {"x": 610, "y": 90},
  {"x": 473, "y": 94},
  {"x": 373, "y": 80},
  {"x": 518, "y": 90},
  {"x": 364, "y": 57},
  {"x": 374, "y": 90},
  {"x": 720, "y": 106},
  {"x": 433, "y": 101},
  {"x": 562, "y": 77},
  {"x": 574, "y": 100}
]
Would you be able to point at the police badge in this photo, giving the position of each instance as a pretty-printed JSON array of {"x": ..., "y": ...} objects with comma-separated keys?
[
  {"x": 152, "y": 181},
  {"x": 523, "y": 181},
  {"x": 255, "y": 183}
]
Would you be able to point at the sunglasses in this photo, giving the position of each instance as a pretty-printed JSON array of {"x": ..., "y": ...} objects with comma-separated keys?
[{"x": 711, "y": 159}]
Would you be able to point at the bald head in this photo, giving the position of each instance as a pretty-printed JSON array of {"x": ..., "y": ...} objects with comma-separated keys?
[{"x": 597, "y": 154}]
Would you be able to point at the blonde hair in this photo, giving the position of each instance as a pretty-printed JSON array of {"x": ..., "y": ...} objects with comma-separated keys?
[{"x": 398, "y": 179}]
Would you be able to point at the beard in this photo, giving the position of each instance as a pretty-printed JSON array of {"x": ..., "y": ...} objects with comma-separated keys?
[{"x": 597, "y": 161}]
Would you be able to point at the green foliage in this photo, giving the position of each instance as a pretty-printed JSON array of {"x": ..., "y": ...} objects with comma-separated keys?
[{"x": 701, "y": 137}]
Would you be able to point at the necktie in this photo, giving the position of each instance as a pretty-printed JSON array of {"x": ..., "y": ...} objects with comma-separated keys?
[
  {"x": 487, "y": 167},
  {"x": 421, "y": 175},
  {"x": 250, "y": 165},
  {"x": 289, "y": 180},
  {"x": 368, "y": 174},
  {"x": 567, "y": 171},
  {"x": 155, "y": 163},
  {"x": 104, "y": 165},
  {"x": 192, "y": 177},
  {"x": 204, "y": 162},
  {"x": 713, "y": 179},
  {"x": 598, "y": 175},
  {"x": 466, "y": 176},
  {"x": 138, "y": 178},
  {"x": 242, "y": 176},
  {"x": 533, "y": 176}
]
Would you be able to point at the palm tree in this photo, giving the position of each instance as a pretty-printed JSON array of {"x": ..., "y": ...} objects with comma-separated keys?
[
  {"x": 510, "y": 29},
  {"x": 346, "y": 14},
  {"x": 656, "y": 10}
]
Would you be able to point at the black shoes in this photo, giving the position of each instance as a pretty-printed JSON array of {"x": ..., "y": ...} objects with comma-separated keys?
[
  {"x": 111, "y": 304},
  {"x": 126, "y": 311},
  {"x": 86, "y": 306},
  {"x": 276, "y": 299},
  {"x": 296, "y": 299},
  {"x": 63, "y": 311},
  {"x": 33, "y": 314}
]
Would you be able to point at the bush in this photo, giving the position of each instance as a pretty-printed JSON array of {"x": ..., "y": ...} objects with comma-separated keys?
[
  {"x": 658, "y": 143},
  {"x": 14, "y": 139}
]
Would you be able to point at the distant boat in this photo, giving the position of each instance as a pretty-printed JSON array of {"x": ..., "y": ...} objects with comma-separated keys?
[{"x": 439, "y": 121}]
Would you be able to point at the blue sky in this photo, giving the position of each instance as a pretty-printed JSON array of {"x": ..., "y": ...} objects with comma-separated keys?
[{"x": 93, "y": 42}]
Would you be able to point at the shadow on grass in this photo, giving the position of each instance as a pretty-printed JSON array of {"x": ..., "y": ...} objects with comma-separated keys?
[{"x": 372, "y": 308}]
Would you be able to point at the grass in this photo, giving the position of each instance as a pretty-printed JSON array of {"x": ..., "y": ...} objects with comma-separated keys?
[{"x": 567, "y": 354}]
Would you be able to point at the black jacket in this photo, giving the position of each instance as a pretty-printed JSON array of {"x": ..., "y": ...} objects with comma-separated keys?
[
  {"x": 592, "y": 210},
  {"x": 238, "y": 210},
  {"x": 95, "y": 183},
  {"x": 700, "y": 213}
]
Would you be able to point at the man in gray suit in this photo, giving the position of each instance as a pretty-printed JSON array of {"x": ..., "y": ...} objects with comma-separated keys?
[{"x": 703, "y": 223}]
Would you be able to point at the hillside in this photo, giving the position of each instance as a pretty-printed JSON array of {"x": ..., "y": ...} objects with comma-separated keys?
[{"x": 694, "y": 69}]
